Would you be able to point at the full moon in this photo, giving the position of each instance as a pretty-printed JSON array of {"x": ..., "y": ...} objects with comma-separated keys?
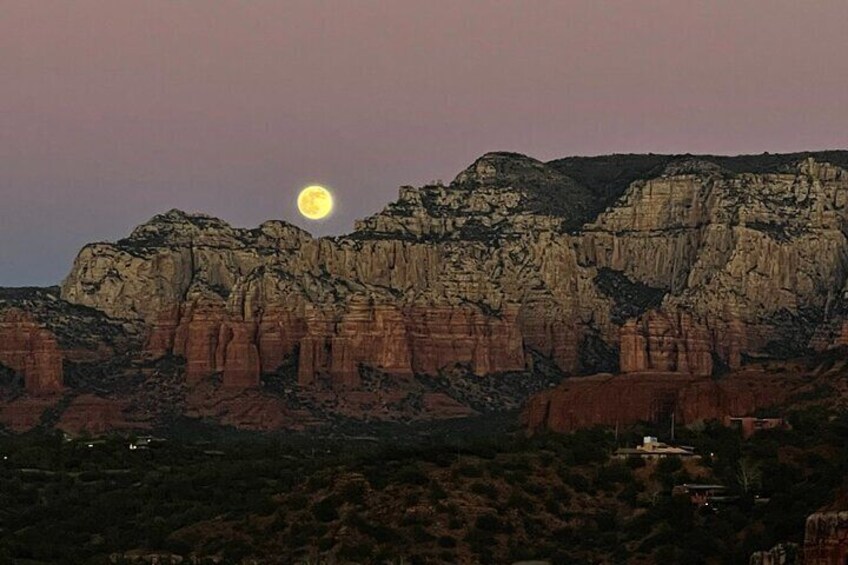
[{"x": 315, "y": 202}]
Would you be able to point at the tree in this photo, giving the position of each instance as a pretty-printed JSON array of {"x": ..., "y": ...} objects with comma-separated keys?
[{"x": 749, "y": 474}]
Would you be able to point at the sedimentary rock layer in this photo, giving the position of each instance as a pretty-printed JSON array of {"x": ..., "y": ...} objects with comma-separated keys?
[
  {"x": 670, "y": 264},
  {"x": 612, "y": 400},
  {"x": 32, "y": 351}
]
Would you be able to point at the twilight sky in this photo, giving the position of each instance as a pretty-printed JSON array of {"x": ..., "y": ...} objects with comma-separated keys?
[{"x": 112, "y": 111}]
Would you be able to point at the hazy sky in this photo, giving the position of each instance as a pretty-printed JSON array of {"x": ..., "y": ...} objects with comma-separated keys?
[{"x": 112, "y": 111}]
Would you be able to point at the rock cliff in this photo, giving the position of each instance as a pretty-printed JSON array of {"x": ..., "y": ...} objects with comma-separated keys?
[
  {"x": 734, "y": 257},
  {"x": 669, "y": 265},
  {"x": 826, "y": 538},
  {"x": 32, "y": 351},
  {"x": 626, "y": 399}
]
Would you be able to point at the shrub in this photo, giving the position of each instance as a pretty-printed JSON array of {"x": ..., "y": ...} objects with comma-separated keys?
[
  {"x": 669, "y": 465},
  {"x": 469, "y": 470},
  {"x": 521, "y": 502},
  {"x": 411, "y": 475},
  {"x": 380, "y": 532},
  {"x": 358, "y": 553},
  {"x": 437, "y": 493},
  {"x": 489, "y": 523},
  {"x": 326, "y": 509},
  {"x": 353, "y": 493},
  {"x": 578, "y": 482},
  {"x": 297, "y": 501},
  {"x": 420, "y": 535},
  {"x": 447, "y": 541},
  {"x": 486, "y": 489}
]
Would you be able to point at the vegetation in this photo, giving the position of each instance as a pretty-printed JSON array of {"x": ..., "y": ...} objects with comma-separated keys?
[
  {"x": 489, "y": 499},
  {"x": 631, "y": 298}
]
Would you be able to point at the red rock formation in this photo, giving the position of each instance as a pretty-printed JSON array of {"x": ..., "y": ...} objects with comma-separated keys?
[
  {"x": 826, "y": 539},
  {"x": 96, "y": 415},
  {"x": 25, "y": 412},
  {"x": 196, "y": 339},
  {"x": 440, "y": 405},
  {"x": 367, "y": 333},
  {"x": 417, "y": 340},
  {"x": 241, "y": 363},
  {"x": 831, "y": 334},
  {"x": 32, "y": 351},
  {"x": 334, "y": 344},
  {"x": 210, "y": 342},
  {"x": 552, "y": 337},
  {"x": 280, "y": 331},
  {"x": 243, "y": 409},
  {"x": 628, "y": 399},
  {"x": 730, "y": 339},
  {"x": 666, "y": 343},
  {"x": 781, "y": 554},
  {"x": 160, "y": 340},
  {"x": 444, "y": 336}
]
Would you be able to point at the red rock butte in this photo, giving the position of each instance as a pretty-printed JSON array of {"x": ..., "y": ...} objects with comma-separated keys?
[
  {"x": 668, "y": 269},
  {"x": 31, "y": 350}
]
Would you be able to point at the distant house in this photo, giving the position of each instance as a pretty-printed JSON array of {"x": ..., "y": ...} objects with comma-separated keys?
[
  {"x": 653, "y": 449},
  {"x": 749, "y": 425},
  {"x": 703, "y": 494},
  {"x": 144, "y": 442}
]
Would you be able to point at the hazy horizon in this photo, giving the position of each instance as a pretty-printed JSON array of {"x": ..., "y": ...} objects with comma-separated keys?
[{"x": 117, "y": 110}]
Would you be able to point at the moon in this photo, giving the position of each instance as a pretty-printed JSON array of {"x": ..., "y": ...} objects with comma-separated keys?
[{"x": 315, "y": 202}]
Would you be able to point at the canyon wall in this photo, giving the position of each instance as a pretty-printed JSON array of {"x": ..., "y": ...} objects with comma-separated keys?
[
  {"x": 32, "y": 351},
  {"x": 688, "y": 268},
  {"x": 611, "y": 400},
  {"x": 826, "y": 538}
]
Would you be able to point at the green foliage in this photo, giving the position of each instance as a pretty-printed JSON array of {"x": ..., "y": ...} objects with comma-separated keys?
[
  {"x": 481, "y": 499},
  {"x": 486, "y": 489},
  {"x": 411, "y": 475},
  {"x": 326, "y": 509},
  {"x": 357, "y": 553},
  {"x": 489, "y": 522},
  {"x": 469, "y": 470}
]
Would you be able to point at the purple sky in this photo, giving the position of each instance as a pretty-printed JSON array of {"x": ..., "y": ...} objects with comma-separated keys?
[{"x": 112, "y": 111}]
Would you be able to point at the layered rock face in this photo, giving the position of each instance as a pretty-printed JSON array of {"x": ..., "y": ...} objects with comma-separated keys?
[
  {"x": 781, "y": 554},
  {"x": 826, "y": 538},
  {"x": 612, "y": 400},
  {"x": 32, "y": 351},
  {"x": 669, "y": 264},
  {"x": 665, "y": 343}
]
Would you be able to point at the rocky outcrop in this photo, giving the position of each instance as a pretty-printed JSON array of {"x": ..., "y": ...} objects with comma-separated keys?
[
  {"x": 335, "y": 344},
  {"x": 211, "y": 342},
  {"x": 26, "y": 412},
  {"x": 32, "y": 351},
  {"x": 653, "y": 397},
  {"x": 682, "y": 264},
  {"x": 95, "y": 415},
  {"x": 781, "y": 554},
  {"x": 666, "y": 343},
  {"x": 673, "y": 269},
  {"x": 826, "y": 538},
  {"x": 367, "y": 333},
  {"x": 442, "y": 336}
]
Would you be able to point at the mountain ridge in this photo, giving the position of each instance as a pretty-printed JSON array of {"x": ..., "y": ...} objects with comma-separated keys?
[{"x": 675, "y": 264}]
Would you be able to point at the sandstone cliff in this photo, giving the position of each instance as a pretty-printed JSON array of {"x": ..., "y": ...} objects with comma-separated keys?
[
  {"x": 612, "y": 400},
  {"x": 513, "y": 254},
  {"x": 826, "y": 538},
  {"x": 32, "y": 351}
]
